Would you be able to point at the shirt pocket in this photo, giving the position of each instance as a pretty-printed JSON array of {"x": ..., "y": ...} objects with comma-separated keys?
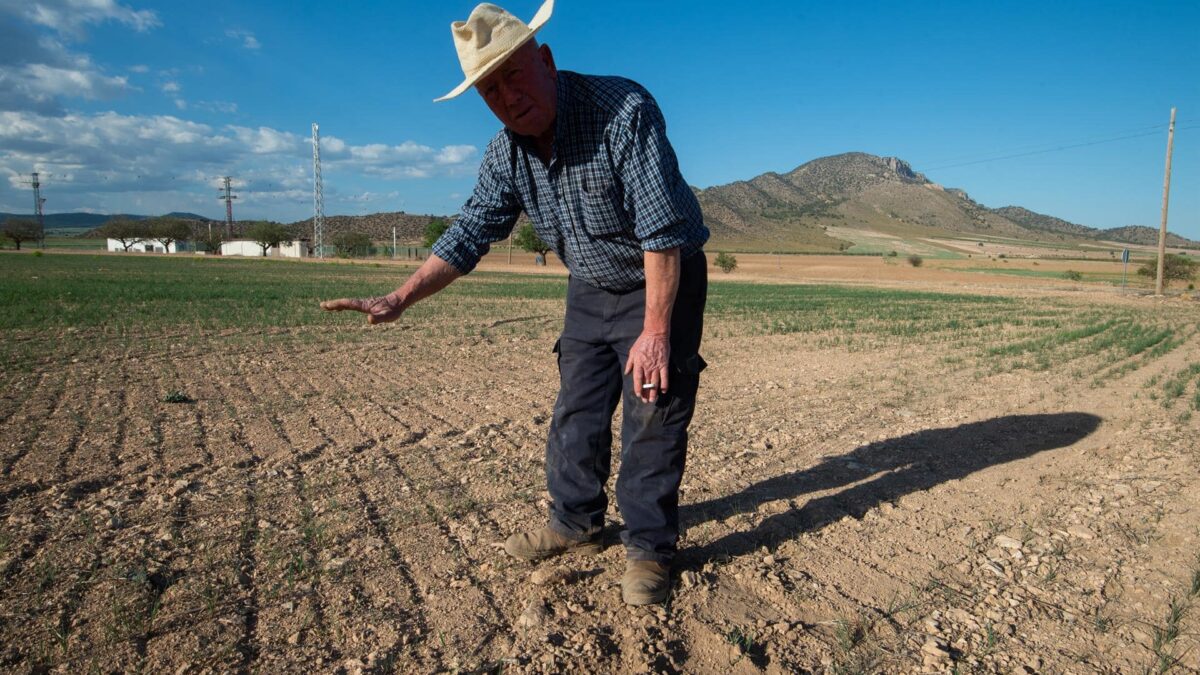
[{"x": 603, "y": 212}]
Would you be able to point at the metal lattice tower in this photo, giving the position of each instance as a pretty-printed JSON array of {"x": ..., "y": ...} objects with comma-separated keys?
[
  {"x": 37, "y": 208},
  {"x": 228, "y": 196},
  {"x": 318, "y": 196}
]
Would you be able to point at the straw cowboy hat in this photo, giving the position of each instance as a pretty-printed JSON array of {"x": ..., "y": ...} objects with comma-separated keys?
[{"x": 488, "y": 37}]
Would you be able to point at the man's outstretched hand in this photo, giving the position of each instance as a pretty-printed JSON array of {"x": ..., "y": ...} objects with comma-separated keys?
[{"x": 382, "y": 309}]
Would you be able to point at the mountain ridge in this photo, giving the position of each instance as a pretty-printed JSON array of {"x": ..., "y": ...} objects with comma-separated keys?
[
  {"x": 810, "y": 204},
  {"x": 808, "y": 209}
]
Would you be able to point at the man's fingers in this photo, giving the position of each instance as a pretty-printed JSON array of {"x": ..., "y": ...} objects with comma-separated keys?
[
  {"x": 663, "y": 379},
  {"x": 343, "y": 303}
]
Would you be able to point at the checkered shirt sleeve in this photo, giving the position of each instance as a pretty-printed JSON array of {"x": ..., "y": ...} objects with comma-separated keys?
[{"x": 487, "y": 217}]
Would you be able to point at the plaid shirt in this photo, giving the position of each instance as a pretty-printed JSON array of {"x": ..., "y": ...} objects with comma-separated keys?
[{"x": 611, "y": 191}]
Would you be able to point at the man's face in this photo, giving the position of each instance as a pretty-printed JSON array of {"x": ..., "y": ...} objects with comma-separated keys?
[{"x": 522, "y": 92}]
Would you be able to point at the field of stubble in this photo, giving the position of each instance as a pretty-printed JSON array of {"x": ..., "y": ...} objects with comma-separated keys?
[{"x": 200, "y": 472}]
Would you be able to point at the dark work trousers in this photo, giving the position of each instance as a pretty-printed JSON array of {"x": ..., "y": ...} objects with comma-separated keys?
[{"x": 599, "y": 331}]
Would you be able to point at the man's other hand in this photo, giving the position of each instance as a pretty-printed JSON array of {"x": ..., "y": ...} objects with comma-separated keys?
[
  {"x": 382, "y": 309},
  {"x": 648, "y": 359}
]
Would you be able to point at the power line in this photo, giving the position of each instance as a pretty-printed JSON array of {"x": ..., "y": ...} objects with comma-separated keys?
[{"x": 1058, "y": 148}]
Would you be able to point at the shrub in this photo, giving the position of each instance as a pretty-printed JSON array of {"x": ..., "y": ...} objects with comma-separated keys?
[
  {"x": 434, "y": 230},
  {"x": 892, "y": 254},
  {"x": 267, "y": 234},
  {"x": 916, "y": 260},
  {"x": 726, "y": 261},
  {"x": 527, "y": 239},
  {"x": 350, "y": 244},
  {"x": 1175, "y": 268},
  {"x": 1072, "y": 275}
]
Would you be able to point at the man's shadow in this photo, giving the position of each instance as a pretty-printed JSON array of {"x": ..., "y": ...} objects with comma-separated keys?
[{"x": 900, "y": 466}]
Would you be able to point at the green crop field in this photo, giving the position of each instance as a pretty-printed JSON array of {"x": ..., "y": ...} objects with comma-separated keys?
[{"x": 190, "y": 300}]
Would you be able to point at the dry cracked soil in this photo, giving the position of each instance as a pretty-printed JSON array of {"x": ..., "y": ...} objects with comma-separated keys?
[{"x": 848, "y": 507}]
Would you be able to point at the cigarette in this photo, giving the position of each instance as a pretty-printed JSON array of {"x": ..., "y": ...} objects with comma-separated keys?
[{"x": 649, "y": 385}]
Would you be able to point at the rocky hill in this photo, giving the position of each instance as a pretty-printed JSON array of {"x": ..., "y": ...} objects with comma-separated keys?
[
  {"x": 1130, "y": 234},
  {"x": 409, "y": 228},
  {"x": 1039, "y": 221},
  {"x": 850, "y": 190},
  {"x": 802, "y": 209},
  {"x": 1140, "y": 234}
]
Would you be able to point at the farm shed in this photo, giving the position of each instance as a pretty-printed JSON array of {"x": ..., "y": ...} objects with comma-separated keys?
[
  {"x": 148, "y": 246},
  {"x": 248, "y": 247}
]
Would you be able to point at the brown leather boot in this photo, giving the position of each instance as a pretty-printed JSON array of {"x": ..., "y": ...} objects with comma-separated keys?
[
  {"x": 546, "y": 543},
  {"x": 645, "y": 582}
]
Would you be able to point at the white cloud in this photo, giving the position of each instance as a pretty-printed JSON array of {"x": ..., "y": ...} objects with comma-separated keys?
[
  {"x": 171, "y": 87},
  {"x": 38, "y": 71},
  {"x": 368, "y": 197},
  {"x": 110, "y": 161},
  {"x": 267, "y": 141},
  {"x": 181, "y": 104},
  {"x": 226, "y": 107},
  {"x": 70, "y": 16},
  {"x": 246, "y": 37},
  {"x": 139, "y": 69},
  {"x": 39, "y": 86},
  {"x": 407, "y": 160}
]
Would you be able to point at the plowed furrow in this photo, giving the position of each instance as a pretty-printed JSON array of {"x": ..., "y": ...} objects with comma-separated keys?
[{"x": 23, "y": 430}]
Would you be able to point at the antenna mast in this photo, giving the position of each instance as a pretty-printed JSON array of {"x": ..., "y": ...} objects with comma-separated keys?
[
  {"x": 318, "y": 196},
  {"x": 228, "y": 196}
]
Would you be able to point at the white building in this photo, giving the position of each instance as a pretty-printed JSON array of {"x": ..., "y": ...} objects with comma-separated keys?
[
  {"x": 148, "y": 246},
  {"x": 248, "y": 247}
]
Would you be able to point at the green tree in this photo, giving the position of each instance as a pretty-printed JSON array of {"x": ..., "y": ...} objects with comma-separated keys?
[
  {"x": 1175, "y": 268},
  {"x": 527, "y": 239},
  {"x": 434, "y": 230},
  {"x": 267, "y": 234},
  {"x": 211, "y": 238},
  {"x": 916, "y": 260},
  {"x": 128, "y": 232},
  {"x": 726, "y": 262},
  {"x": 167, "y": 231},
  {"x": 350, "y": 244},
  {"x": 18, "y": 230}
]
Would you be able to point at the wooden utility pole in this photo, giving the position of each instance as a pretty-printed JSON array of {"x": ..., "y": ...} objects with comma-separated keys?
[{"x": 1162, "y": 230}]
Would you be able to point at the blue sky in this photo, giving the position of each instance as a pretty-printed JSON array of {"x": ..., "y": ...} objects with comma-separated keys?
[{"x": 138, "y": 106}]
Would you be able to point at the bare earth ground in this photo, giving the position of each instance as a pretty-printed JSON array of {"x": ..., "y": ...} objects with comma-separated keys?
[{"x": 892, "y": 505}]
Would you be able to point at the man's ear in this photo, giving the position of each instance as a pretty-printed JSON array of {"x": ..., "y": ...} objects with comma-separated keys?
[{"x": 548, "y": 59}]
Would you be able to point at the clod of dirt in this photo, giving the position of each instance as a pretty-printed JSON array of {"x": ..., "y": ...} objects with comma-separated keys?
[
  {"x": 1007, "y": 542},
  {"x": 550, "y": 576},
  {"x": 1080, "y": 531},
  {"x": 535, "y": 613}
]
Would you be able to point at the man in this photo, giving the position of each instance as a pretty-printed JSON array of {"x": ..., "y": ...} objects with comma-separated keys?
[{"x": 587, "y": 158}]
